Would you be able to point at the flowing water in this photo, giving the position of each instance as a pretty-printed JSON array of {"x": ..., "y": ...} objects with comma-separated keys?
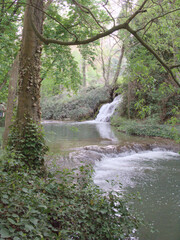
[
  {"x": 154, "y": 174},
  {"x": 108, "y": 109}
]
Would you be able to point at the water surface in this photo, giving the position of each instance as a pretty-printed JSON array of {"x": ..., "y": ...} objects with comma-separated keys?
[
  {"x": 64, "y": 136},
  {"x": 154, "y": 174}
]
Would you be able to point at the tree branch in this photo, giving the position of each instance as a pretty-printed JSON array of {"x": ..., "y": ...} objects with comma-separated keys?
[
  {"x": 168, "y": 69},
  {"x": 78, "y": 42},
  {"x": 153, "y": 19},
  {"x": 140, "y": 10},
  {"x": 175, "y": 66},
  {"x": 104, "y": 6},
  {"x": 124, "y": 25},
  {"x": 88, "y": 11}
]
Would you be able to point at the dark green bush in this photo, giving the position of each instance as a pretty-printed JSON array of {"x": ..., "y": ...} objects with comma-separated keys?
[{"x": 82, "y": 106}]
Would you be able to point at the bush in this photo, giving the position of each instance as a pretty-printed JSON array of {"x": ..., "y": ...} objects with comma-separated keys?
[
  {"x": 82, "y": 106},
  {"x": 40, "y": 208},
  {"x": 149, "y": 127}
]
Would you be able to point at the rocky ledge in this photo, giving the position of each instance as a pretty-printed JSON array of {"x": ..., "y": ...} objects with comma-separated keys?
[{"x": 88, "y": 155}]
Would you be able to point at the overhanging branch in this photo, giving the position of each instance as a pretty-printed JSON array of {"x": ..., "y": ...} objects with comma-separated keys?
[{"x": 168, "y": 69}]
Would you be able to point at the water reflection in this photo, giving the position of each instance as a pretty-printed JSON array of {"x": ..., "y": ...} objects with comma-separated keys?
[{"x": 62, "y": 136}]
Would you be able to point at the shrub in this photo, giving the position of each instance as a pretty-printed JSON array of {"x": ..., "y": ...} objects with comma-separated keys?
[
  {"x": 82, "y": 106},
  {"x": 149, "y": 127},
  {"x": 42, "y": 208}
]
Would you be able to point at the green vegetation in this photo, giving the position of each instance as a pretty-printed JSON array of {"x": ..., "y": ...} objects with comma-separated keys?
[
  {"x": 82, "y": 106},
  {"x": 148, "y": 127},
  {"x": 1, "y": 133},
  {"x": 28, "y": 147},
  {"x": 36, "y": 206}
]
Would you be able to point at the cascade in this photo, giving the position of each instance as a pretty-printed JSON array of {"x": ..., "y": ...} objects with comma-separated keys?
[{"x": 107, "y": 110}]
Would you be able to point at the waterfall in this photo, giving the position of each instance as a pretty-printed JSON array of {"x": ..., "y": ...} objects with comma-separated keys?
[{"x": 107, "y": 110}]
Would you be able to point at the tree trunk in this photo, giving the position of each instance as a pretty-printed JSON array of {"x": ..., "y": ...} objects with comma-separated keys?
[
  {"x": 108, "y": 68},
  {"x": 118, "y": 66},
  {"x": 26, "y": 139},
  {"x": 84, "y": 72},
  {"x": 12, "y": 93},
  {"x": 29, "y": 66}
]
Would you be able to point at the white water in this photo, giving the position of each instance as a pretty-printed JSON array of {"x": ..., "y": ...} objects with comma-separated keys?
[
  {"x": 130, "y": 168},
  {"x": 108, "y": 109},
  {"x": 156, "y": 176}
]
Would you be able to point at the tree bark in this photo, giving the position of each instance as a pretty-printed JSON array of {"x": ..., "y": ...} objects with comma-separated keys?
[
  {"x": 12, "y": 93},
  {"x": 29, "y": 65}
]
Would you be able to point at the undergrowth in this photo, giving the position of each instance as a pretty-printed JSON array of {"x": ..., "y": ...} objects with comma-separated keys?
[
  {"x": 38, "y": 207},
  {"x": 79, "y": 107},
  {"x": 148, "y": 127}
]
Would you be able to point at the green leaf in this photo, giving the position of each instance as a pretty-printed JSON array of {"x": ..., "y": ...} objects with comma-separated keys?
[
  {"x": 25, "y": 190},
  {"x": 4, "y": 233},
  {"x": 11, "y": 221},
  {"x": 34, "y": 221},
  {"x": 29, "y": 227}
]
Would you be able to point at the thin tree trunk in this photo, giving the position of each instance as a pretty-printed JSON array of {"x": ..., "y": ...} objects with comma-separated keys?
[
  {"x": 108, "y": 68},
  {"x": 118, "y": 65},
  {"x": 129, "y": 99},
  {"x": 103, "y": 68},
  {"x": 84, "y": 72},
  {"x": 12, "y": 93}
]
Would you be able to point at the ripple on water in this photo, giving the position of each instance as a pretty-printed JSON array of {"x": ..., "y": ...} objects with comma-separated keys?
[{"x": 156, "y": 175}]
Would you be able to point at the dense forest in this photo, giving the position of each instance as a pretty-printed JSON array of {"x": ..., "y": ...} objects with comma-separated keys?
[{"x": 61, "y": 60}]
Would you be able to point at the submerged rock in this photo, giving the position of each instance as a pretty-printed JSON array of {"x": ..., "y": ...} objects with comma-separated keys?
[{"x": 88, "y": 155}]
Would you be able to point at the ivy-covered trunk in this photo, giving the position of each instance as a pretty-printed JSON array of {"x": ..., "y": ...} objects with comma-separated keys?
[
  {"x": 26, "y": 138},
  {"x": 29, "y": 68}
]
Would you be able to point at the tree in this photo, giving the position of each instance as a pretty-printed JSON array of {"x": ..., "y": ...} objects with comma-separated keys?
[
  {"x": 151, "y": 91},
  {"x": 111, "y": 56},
  {"x": 9, "y": 12},
  {"x": 80, "y": 13},
  {"x": 12, "y": 94}
]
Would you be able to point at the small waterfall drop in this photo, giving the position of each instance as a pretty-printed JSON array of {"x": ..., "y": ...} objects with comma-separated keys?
[{"x": 107, "y": 110}]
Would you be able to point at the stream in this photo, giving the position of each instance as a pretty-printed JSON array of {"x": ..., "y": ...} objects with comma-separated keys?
[{"x": 155, "y": 173}]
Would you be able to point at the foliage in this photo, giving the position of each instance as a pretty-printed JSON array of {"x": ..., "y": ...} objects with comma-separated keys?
[
  {"x": 28, "y": 146},
  {"x": 82, "y": 106},
  {"x": 59, "y": 70},
  {"x": 33, "y": 207},
  {"x": 1, "y": 133},
  {"x": 150, "y": 90},
  {"x": 9, "y": 43},
  {"x": 149, "y": 127}
]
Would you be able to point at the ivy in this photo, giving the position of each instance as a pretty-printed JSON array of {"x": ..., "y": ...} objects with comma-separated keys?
[{"x": 28, "y": 146}]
